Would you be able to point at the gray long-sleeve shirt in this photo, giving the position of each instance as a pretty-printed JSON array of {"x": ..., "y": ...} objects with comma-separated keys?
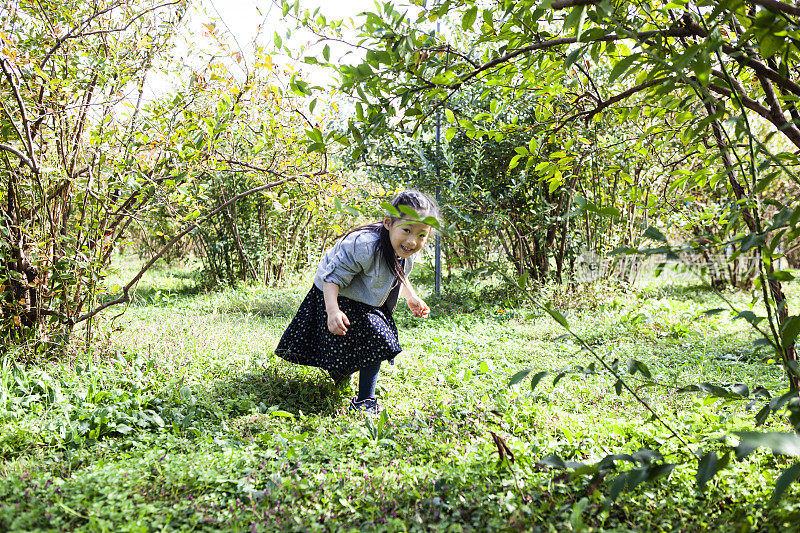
[{"x": 360, "y": 272}]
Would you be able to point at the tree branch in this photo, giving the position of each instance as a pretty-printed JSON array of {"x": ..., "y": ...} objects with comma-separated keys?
[
  {"x": 777, "y": 119},
  {"x": 23, "y": 157},
  {"x": 126, "y": 289},
  {"x": 739, "y": 55},
  {"x": 775, "y": 5},
  {"x": 672, "y": 32},
  {"x": 566, "y": 4},
  {"x": 74, "y": 29},
  {"x": 128, "y": 25},
  {"x": 7, "y": 70},
  {"x": 621, "y": 96}
]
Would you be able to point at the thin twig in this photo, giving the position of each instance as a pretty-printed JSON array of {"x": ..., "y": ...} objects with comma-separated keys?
[{"x": 126, "y": 290}]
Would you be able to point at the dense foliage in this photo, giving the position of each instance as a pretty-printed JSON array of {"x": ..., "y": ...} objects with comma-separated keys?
[
  {"x": 684, "y": 83},
  {"x": 73, "y": 175},
  {"x": 560, "y": 135},
  {"x": 83, "y": 163}
]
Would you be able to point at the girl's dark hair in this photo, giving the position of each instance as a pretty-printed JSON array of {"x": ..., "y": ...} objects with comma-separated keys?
[{"x": 424, "y": 205}]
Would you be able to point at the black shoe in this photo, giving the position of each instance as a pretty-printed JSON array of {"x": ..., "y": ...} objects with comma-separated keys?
[{"x": 369, "y": 406}]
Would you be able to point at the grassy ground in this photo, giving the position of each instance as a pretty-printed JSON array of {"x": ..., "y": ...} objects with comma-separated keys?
[{"x": 179, "y": 417}]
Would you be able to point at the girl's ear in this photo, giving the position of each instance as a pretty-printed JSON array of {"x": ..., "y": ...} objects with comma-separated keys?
[{"x": 388, "y": 223}]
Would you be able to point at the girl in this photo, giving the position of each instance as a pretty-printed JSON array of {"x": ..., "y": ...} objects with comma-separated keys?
[{"x": 345, "y": 322}]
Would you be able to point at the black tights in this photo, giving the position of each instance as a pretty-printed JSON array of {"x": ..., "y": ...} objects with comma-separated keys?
[{"x": 367, "y": 379}]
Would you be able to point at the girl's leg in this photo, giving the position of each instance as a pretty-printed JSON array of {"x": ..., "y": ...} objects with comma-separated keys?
[{"x": 367, "y": 379}]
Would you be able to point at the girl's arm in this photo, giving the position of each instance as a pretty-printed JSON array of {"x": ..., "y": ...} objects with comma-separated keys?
[
  {"x": 418, "y": 307},
  {"x": 337, "y": 320}
]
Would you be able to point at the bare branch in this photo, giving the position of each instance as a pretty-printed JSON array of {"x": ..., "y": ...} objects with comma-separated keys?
[
  {"x": 75, "y": 29},
  {"x": 566, "y": 4},
  {"x": 775, "y": 5},
  {"x": 739, "y": 55},
  {"x": 776, "y": 119},
  {"x": 7, "y": 70},
  {"x": 128, "y": 25},
  {"x": 621, "y": 96},
  {"x": 126, "y": 289},
  {"x": 23, "y": 157},
  {"x": 75, "y": 32}
]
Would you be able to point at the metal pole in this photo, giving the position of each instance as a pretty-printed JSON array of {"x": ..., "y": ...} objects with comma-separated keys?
[{"x": 437, "y": 268}]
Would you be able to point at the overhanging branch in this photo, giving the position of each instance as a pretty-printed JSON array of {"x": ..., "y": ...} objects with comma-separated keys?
[{"x": 126, "y": 289}]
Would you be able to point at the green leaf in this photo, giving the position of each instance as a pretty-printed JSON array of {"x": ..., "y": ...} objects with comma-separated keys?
[
  {"x": 781, "y": 275},
  {"x": 789, "y": 330},
  {"x": 762, "y": 415},
  {"x": 752, "y": 240},
  {"x": 123, "y": 428},
  {"x": 519, "y": 376},
  {"x": 326, "y": 52},
  {"x": 554, "y": 461},
  {"x": 537, "y": 378},
  {"x": 617, "y": 486},
  {"x": 277, "y": 39},
  {"x": 621, "y": 66},
  {"x": 702, "y": 67},
  {"x": 609, "y": 211},
  {"x": 409, "y": 211},
  {"x": 717, "y": 391},
  {"x": 384, "y": 419},
  {"x": 787, "y": 477},
  {"x": 557, "y": 316},
  {"x": 575, "y": 19},
  {"x": 708, "y": 467},
  {"x": 654, "y": 233},
  {"x": 750, "y": 316},
  {"x": 780, "y": 443},
  {"x": 450, "y": 133},
  {"x": 469, "y": 18},
  {"x": 573, "y": 56},
  {"x": 432, "y": 222},
  {"x": 389, "y": 208},
  {"x": 641, "y": 367},
  {"x": 769, "y": 44}
]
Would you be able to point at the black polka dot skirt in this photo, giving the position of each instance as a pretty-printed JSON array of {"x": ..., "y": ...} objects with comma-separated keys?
[{"x": 371, "y": 336}]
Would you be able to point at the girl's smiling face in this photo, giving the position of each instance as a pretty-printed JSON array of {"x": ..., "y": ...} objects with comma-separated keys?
[{"x": 407, "y": 236}]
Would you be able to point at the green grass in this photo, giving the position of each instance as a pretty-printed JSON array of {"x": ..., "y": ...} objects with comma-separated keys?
[{"x": 179, "y": 417}]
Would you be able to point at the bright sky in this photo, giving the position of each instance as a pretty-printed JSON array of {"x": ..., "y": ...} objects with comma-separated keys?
[
  {"x": 242, "y": 22},
  {"x": 249, "y": 21}
]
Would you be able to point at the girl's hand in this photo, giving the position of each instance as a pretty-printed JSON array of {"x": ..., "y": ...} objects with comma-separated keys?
[
  {"x": 418, "y": 307},
  {"x": 338, "y": 322}
]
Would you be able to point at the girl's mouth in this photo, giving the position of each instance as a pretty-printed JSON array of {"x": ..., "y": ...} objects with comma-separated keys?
[{"x": 406, "y": 250}]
